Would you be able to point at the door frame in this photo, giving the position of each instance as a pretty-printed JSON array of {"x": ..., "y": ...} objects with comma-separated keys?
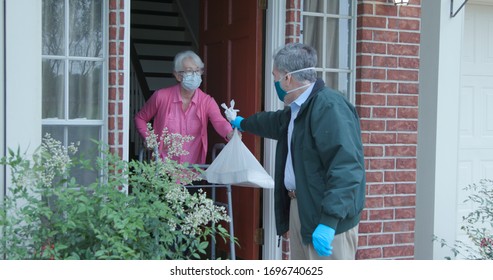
[{"x": 274, "y": 37}]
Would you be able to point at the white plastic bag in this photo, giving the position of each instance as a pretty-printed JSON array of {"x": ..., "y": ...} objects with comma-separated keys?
[{"x": 236, "y": 165}]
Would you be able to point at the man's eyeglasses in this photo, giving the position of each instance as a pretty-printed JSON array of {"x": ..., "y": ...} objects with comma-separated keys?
[{"x": 191, "y": 72}]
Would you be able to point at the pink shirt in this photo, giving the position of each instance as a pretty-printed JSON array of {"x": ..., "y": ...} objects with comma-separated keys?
[{"x": 165, "y": 106}]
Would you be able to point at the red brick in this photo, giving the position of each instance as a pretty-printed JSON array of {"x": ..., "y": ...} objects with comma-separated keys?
[
  {"x": 364, "y": 34},
  {"x": 386, "y": 10},
  {"x": 400, "y": 49},
  {"x": 400, "y": 176},
  {"x": 381, "y": 214},
  {"x": 372, "y": 21},
  {"x": 407, "y": 138},
  {"x": 380, "y": 164},
  {"x": 112, "y": 20},
  {"x": 365, "y": 9},
  {"x": 403, "y": 100},
  {"x": 373, "y": 48},
  {"x": 411, "y": 63},
  {"x": 406, "y": 88},
  {"x": 381, "y": 189},
  {"x": 363, "y": 86},
  {"x": 385, "y": 61},
  {"x": 409, "y": 37},
  {"x": 383, "y": 138},
  {"x": 382, "y": 239},
  {"x": 400, "y": 151},
  {"x": 405, "y": 213},
  {"x": 401, "y": 238},
  {"x": 406, "y": 163},
  {"x": 371, "y": 99},
  {"x": 403, "y": 24},
  {"x": 387, "y": 87},
  {"x": 372, "y": 125},
  {"x": 364, "y": 60},
  {"x": 374, "y": 202},
  {"x": 370, "y": 253},
  {"x": 400, "y": 201},
  {"x": 402, "y": 125},
  {"x": 370, "y": 227},
  {"x": 370, "y": 73},
  {"x": 113, "y": 4},
  {"x": 407, "y": 113},
  {"x": 398, "y": 251},
  {"x": 385, "y": 36},
  {"x": 398, "y": 226},
  {"x": 373, "y": 151},
  {"x": 405, "y": 188},
  {"x": 372, "y": 177},
  {"x": 362, "y": 240},
  {"x": 364, "y": 112},
  {"x": 365, "y": 137},
  {"x": 408, "y": 11},
  {"x": 403, "y": 75},
  {"x": 384, "y": 112}
]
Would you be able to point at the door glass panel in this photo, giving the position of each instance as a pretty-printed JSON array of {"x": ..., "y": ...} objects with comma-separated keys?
[
  {"x": 85, "y": 90},
  {"x": 53, "y": 27},
  {"x": 53, "y": 89},
  {"x": 316, "y": 6},
  {"x": 86, "y": 36}
]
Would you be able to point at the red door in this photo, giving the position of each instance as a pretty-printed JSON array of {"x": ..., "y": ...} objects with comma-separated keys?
[{"x": 231, "y": 47}]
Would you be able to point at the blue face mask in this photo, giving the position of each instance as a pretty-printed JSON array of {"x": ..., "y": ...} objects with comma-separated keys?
[{"x": 281, "y": 93}]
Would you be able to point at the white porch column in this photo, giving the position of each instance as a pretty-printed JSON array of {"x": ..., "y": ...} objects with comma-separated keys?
[
  {"x": 22, "y": 88},
  {"x": 439, "y": 90}
]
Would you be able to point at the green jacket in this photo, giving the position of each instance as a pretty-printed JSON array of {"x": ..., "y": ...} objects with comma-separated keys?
[{"x": 328, "y": 162}]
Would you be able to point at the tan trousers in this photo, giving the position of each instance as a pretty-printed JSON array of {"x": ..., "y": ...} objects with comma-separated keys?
[{"x": 344, "y": 245}]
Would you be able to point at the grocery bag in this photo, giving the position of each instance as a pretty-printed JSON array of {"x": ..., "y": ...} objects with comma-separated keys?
[{"x": 236, "y": 165}]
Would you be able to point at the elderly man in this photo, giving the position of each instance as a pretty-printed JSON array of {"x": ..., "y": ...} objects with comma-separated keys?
[{"x": 320, "y": 171}]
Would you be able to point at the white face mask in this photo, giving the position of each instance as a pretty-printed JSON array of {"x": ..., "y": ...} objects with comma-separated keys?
[{"x": 191, "y": 82}]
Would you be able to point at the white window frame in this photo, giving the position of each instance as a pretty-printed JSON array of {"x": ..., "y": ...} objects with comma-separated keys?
[
  {"x": 351, "y": 42},
  {"x": 66, "y": 123}
]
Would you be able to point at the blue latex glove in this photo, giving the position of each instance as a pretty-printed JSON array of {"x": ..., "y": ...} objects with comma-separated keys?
[
  {"x": 322, "y": 239},
  {"x": 236, "y": 123}
]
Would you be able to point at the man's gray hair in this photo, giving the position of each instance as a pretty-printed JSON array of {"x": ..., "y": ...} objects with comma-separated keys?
[
  {"x": 179, "y": 57},
  {"x": 295, "y": 56}
]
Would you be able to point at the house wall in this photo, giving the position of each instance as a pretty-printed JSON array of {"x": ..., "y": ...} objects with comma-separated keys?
[
  {"x": 388, "y": 39},
  {"x": 118, "y": 83}
]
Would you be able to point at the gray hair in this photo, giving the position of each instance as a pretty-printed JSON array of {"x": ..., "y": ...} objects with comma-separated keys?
[
  {"x": 296, "y": 56},
  {"x": 179, "y": 57}
]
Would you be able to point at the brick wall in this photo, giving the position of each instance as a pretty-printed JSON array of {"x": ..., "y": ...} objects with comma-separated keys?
[
  {"x": 387, "y": 101},
  {"x": 116, "y": 75}
]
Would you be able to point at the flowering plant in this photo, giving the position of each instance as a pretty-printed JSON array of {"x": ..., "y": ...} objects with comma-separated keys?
[
  {"x": 47, "y": 214},
  {"x": 478, "y": 225}
]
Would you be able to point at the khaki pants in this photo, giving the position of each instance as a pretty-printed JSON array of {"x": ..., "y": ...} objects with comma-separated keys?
[{"x": 344, "y": 245}]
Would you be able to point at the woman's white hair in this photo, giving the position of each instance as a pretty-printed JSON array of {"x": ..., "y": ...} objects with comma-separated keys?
[{"x": 179, "y": 57}]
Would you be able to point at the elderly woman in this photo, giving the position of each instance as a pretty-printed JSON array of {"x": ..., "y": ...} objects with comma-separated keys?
[{"x": 185, "y": 109}]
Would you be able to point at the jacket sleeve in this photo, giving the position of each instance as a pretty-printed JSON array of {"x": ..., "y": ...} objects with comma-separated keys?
[
  {"x": 338, "y": 142},
  {"x": 267, "y": 124}
]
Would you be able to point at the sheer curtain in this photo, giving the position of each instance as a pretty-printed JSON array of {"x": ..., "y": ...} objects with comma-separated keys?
[{"x": 314, "y": 28}]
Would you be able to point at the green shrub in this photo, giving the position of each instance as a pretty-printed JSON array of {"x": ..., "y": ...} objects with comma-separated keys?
[
  {"x": 46, "y": 214},
  {"x": 478, "y": 225}
]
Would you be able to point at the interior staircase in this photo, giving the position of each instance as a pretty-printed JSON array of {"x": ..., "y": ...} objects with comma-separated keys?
[{"x": 159, "y": 30}]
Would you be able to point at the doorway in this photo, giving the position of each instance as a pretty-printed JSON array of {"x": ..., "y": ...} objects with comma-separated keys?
[{"x": 228, "y": 35}]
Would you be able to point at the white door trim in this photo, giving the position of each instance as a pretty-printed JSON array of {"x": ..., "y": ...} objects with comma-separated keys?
[{"x": 275, "y": 37}]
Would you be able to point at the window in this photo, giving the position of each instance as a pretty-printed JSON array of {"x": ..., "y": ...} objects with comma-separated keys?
[
  {"x": 73, "y": 67},
  {"x": 330, "y": 27}
]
